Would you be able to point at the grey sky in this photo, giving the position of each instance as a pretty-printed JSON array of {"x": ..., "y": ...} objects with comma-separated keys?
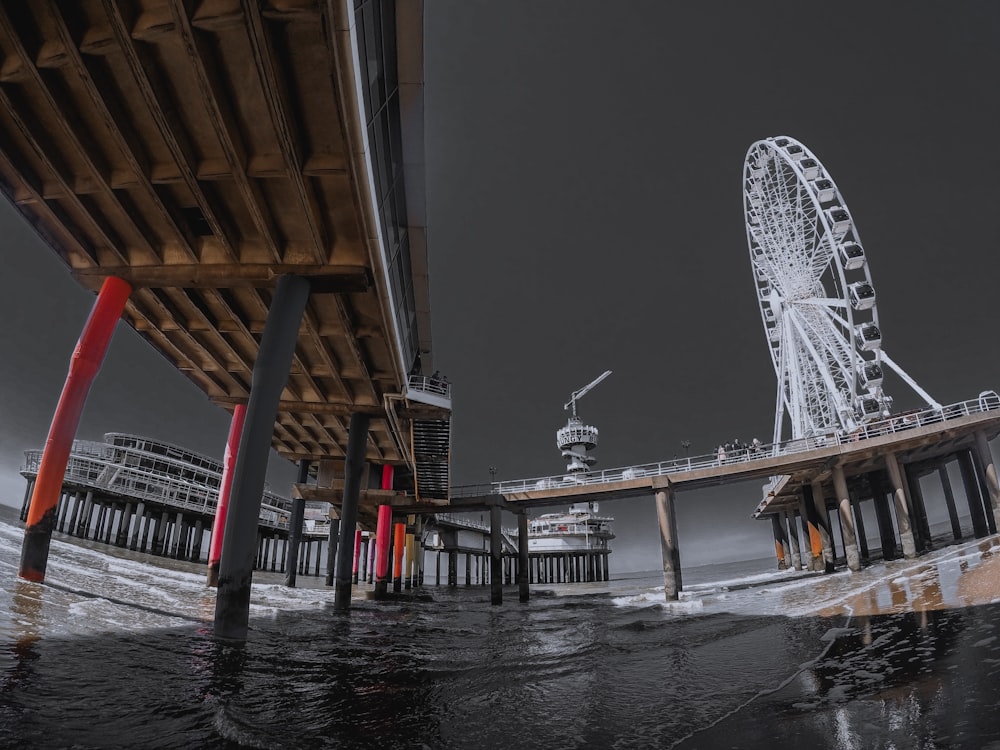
[{"x": 584, "y": 208}]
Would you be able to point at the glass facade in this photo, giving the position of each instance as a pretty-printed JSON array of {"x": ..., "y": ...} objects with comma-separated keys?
[{"x": 376, "y": 34}]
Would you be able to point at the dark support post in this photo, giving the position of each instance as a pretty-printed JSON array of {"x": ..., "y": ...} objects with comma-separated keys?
[
  {"x": 778, "y": 529},
  {"x": 991, "y": 485},
  {"x": 452, "y": 567},
  {"x": 883, "y": 516},
  {"x": 793, "y": 540},
  {"x": 669, "y": 549},
  {"x": 846, "y": 519},
  {"x": 295, "y": 526},
  {"x": 949, "y": 499},
  {"x": 902, "y": 506},
  {"x": 270, "y": 374},
  {"x": 823, "y": 525},
  {"x": 984, "y": 492},
  {"x": 811, "y": 518},
  {"x": 332, "y": 544},
  {"x": 919, "y": 511},
  {"x": 496, "y": 561},
  {"x": 354, "y": 467},
  {"x": 969, "y": 480},
  {"x": 859, "y": 519},
  {"x": 522, "y": 557}
]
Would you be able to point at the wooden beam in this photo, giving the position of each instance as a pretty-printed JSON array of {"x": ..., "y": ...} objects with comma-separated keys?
[
  {"x": 323, "y": 279},
  {"x": 103, "y": 99},
  {"x": 158, "y": 100},
  {"x": 277, "y": 96},
  {"x": 69, "y": 129},
  {"x": 214, "y": 96}
]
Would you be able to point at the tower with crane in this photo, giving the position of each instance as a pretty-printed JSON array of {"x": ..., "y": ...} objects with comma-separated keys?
[
  {"x": 573, "y": 546},
  {"x": 577, "y": 439}
]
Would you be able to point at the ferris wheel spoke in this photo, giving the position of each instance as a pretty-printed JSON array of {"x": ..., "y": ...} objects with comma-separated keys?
[
  {"x": 822, "y": 364},
  {"x": 824, "y": 302}
]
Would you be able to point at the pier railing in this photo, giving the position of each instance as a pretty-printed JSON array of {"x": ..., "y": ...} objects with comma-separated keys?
[
  {"x": 986, "y": 402},
  {"x": 137, "y": 474}
]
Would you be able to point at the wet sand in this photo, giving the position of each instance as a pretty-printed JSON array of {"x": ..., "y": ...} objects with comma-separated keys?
[{"x": 916, "y": 665}]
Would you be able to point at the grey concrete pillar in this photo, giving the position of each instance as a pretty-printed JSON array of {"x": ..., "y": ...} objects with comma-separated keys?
[
  {"x": 983, "y": 491},
  {"x": 990, "y": 470},
  {"x": 199, "y": 539},
  {"x": 27, "y": 499},
  {"x": 333, "y": 545},
  {"x": 121, "y": 539},
  {"x": 354, "y": 466},
  {"x": 295, "y": 527},
  {"x": 918, "y": 512},
  {"x": 846, "y": 519},
  {"x": 63, "y": 509},
  {"x": 823, "y": 525},
  {"x": 75, "y": 514},
  {"x": 669, "y": 548},
  {"x": 159, "y": 546},
  {"x": 883, "y": 516},
  {"x": 496, "y": 560},
  {"x": 901, "y": 504},
  {"x": 175, "y": 538},
  {"x": 862, "y": 536},
  {"x": 811, "y": 518},
  {"x": 452, "y": 567},
  {"x": 794, "y": 551},
  {"x": 270, "y": 374},
  {"x": 949, "y": 499},
  {"x": 140, "y": 514},
  {"x": 780, "y": 540},
  {"x": 522, "y": 557},
  {"x": 972, "y": 494}
]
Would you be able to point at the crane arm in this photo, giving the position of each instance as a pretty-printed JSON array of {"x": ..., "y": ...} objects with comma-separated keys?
[{"x": 578, "y": 394}]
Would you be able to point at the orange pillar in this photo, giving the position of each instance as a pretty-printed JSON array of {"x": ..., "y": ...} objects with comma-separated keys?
[
  {"x": 222, "y": 507},
  {"x": 83, "y": 368},
  {"x": 397, "y": 557}
]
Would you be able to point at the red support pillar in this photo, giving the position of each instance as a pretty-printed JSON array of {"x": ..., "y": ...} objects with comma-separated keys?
[
  {"x": 83, "y": 368},
  {"x": 222, "y": 508},
  {"x": 383, "y": 532}
]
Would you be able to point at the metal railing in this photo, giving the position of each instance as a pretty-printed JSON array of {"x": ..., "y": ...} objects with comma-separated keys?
[
  {"x": 118, "y": 470},
  {"x": 427, "y": 384},
  {"x": 986, "y": 402}
]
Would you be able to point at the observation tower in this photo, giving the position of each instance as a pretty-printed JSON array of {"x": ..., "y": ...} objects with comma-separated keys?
[{"x": 577, "y": 439}]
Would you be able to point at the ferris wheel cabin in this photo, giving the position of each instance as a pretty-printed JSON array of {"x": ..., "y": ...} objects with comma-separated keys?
[
  {"x": 870, "y": 374},
  {"x": 810, "y": 168},
  {"x": 825, "y": 191},
  {"x": 862, "y": 295},
  {"x": 852, "y": 255},
  {"x": 840, "y": 221},
  {"x": 869, "y": 336}
]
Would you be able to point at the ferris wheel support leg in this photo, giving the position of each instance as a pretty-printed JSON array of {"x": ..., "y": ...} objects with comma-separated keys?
[
  {"x": 823, "y": 525},
  {"x": 910, "y": 382},
  {"x": 668, "y": 542},
  {"x": 846, "y": 519},
  {"x": 902, "y": 506}
]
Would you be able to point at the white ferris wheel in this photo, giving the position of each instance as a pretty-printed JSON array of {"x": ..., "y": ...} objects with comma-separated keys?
[{"x": 815, "y": 291}]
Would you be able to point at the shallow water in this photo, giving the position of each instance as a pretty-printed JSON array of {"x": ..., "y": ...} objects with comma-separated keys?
[{"x": 116, "y": 651}]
